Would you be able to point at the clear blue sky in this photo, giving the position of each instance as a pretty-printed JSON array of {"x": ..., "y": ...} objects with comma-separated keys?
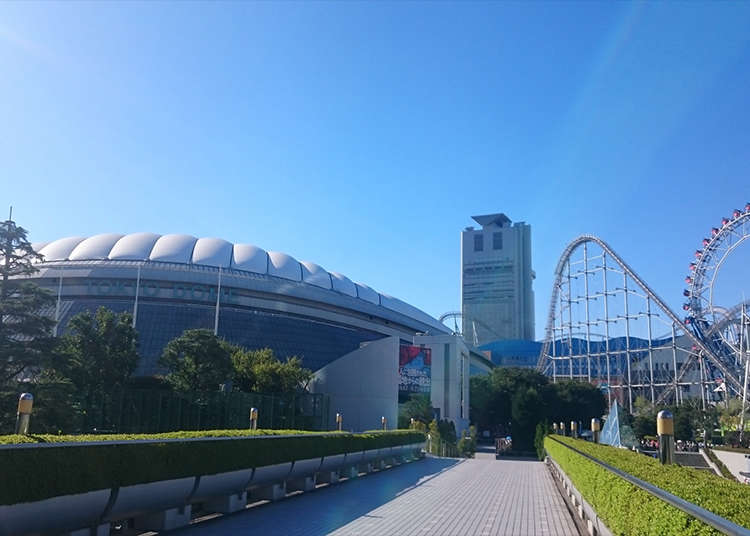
[{"x": 363, "y": 136}]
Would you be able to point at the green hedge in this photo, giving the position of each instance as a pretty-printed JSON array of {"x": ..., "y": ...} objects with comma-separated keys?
[
  {"x": 30, "y": 474},
  {"x": 626, "y": 509}
]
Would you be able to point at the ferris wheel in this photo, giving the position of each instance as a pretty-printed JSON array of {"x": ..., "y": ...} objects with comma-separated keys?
[{"x": 717, "y": 325}]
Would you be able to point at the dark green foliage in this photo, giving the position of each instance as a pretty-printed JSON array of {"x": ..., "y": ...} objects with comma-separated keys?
[
  {"x": 97, "y": 354},
  {"x": 626, "y": 509},
  {"x": 542, "y": 430},
  {"x": 31, "y": 474},
  {"x": 25, "y": 334},
  {"x": 513, "y": 401},
  {"x": 418, "y": 407},
  {"x": 197, "y": 361},
  {"x": 260, "y": 371}
]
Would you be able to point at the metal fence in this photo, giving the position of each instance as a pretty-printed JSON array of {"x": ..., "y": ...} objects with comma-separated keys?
[{"x": 140, "y": 411}]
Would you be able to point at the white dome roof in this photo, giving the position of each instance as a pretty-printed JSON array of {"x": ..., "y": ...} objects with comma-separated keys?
[{"x": 186, "y": 249}]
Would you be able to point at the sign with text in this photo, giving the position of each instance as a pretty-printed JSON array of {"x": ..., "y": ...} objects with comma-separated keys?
[{"x": 414, "y": 370}]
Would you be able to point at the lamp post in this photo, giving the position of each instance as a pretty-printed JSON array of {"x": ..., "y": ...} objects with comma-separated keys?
[
  {"x": 384, "y": 422},
  {"x": 665, "y": 431},
  {"x": 596, "y": 427},
  {"x": 25, "y": 403},
  {"x": 339, "y": 421},
  {"x": 573, "y": 429},
  {"x": 562, "y": 428},
  {"x": 253, "y": 418},
  {"x": 554, "y": 428}
]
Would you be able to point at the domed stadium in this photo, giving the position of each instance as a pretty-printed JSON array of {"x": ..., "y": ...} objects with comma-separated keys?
[{"x": 246, "y": 295}]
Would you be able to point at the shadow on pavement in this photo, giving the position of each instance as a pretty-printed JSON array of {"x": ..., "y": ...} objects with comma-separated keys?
[{"x": 328, "y": 508}]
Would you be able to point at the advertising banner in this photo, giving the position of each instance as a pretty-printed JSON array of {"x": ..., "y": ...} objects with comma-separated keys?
[{"x": 414, "y": 369}]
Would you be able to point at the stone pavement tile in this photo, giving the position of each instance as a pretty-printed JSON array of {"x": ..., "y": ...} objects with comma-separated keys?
[{"x": 436, "y": 496}]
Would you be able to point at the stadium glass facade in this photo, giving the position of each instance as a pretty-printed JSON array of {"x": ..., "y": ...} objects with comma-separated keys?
[{"x": 249, "y": 297}]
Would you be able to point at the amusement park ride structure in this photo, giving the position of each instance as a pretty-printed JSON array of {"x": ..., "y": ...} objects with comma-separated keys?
[{"x": 603, "y": 315}]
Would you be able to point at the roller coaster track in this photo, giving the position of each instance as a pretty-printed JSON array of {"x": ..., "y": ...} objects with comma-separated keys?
[{"x": 565, "y": 258}]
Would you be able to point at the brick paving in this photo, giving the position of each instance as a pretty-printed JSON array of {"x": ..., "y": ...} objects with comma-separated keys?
[{"x": 435, "y": 496}]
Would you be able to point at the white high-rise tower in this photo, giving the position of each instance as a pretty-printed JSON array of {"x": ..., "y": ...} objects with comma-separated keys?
[{"x": 497, "y": 298}]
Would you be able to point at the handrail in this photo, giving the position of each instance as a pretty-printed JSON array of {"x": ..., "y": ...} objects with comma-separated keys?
[{"x": 719, "y": 523}]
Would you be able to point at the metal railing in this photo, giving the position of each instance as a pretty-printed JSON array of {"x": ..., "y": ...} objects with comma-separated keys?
[{"x": 719, "y": 523}]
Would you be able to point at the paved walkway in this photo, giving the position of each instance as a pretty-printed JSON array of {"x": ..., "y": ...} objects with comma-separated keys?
[{"x": 435, "y": 496}]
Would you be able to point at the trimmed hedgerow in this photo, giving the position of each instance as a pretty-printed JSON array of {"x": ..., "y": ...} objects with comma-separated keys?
[
  {"x": 626, "y": 509},
  {"x": 31, "y": 474}
]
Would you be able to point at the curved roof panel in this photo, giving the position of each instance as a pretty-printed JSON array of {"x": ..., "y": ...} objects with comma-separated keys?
[
  {"x": 134, "y": 247},
  {"x": 283, "y": 265},
  {"x": 250, "y": 258},
  {"x": 315, "y": 275},
  {"x": 173, "y": 248},
  {"x": 60, "y": 249},
  {"x": 37, "y": 246},
  {"x": 213, "y": 252},
  {"x": 95, "y": 247},
  {"x": 343, "y": 284},
  {"x": 366, "y": 293},
  {"x": 186, "y": 249}
]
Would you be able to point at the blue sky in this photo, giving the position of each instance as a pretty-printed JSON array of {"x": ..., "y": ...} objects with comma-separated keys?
[{"x": 363, "y": 136}]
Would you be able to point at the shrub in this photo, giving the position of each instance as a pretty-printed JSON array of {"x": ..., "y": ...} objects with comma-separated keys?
[
  {"x": 626, "y": 509},
  {"x": 36, "y": 473}
]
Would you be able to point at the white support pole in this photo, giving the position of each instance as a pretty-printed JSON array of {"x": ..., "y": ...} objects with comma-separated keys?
[
  {"x": 137, "y": 291},
  {"x": 627, "y": 340},
  {"x": 674, "y": 365},
  {"x": 650, "y": 350},
  {"x": 218, "y": 302},
  {"x": 588, "y": 319},
  {"x": 743, "y": 354},
  {"x": 606, "y": 328},
  {"x": 59, "y": 303}
]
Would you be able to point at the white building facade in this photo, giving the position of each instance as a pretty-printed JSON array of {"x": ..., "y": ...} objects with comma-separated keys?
[{"x": 497, "y": 296}]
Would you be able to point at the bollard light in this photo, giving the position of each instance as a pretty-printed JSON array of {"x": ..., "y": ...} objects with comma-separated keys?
[
  {"x": 665, "y": 431},
  {"x": 253, "y": 418},
  {"x": 411, "y": 423},
  {"x": 384, "y": 422},
  {"x": 573, "y": 429},
  {"x": 25, "y": 403},
  {"x": 596, "y": 427},
  {"x": 562, "y": 428},
  {"x": 339, "y": 421},
  {"x": 554, "y": 427}
]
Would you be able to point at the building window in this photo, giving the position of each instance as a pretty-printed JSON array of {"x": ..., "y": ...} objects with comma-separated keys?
[
  {"x": 478, "y": 242},
  {"x": 497, "y": 240}
]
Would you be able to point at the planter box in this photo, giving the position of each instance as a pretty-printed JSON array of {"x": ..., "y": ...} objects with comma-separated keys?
[
  {"x": 222, "y": 484},
  {"x": 57, "y": 514},
  {"x": 271, "y": 474},
  {"x": 151, "y": 497}
]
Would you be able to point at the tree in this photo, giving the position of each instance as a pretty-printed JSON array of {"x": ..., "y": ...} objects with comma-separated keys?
[
  {"x": 418, "y": 407},
  {"x": 25, "y": 333},
  {"x": 98, "y": 353},
  {"x": 260, "y": 371},
  {"x": 197, "y": 361},
  {"x": 525, "y": 415}
]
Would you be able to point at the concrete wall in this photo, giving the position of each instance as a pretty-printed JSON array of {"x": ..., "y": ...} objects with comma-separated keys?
[
  {"x": 450, "y": 377},
  {"x": 363, "y": 385}
]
